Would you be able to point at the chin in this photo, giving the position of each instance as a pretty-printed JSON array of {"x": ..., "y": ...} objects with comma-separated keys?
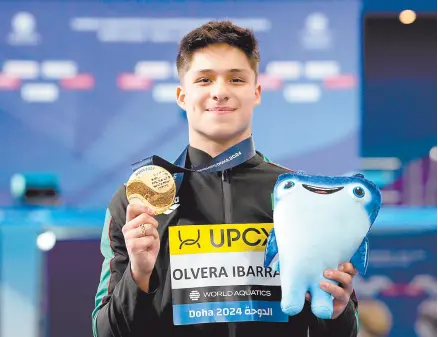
[{"x": 224, "y": 134}]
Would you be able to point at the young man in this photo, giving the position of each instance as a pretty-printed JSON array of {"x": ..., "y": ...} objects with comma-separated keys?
[{"x": 218, "y": 68}]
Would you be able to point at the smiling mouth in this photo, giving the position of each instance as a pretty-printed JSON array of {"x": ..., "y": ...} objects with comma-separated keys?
[
  {"x": 322, "y": 190},
  {"x": 224, "y": 109}
]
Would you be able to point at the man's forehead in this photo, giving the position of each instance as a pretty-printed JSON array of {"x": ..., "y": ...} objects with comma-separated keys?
[
  {"x": 219, "y": 59},
  {"x": 219, "y": 56}
]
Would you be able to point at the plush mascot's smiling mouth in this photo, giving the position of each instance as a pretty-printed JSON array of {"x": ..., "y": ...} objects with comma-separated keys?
[{"x": 322, "y": 190}]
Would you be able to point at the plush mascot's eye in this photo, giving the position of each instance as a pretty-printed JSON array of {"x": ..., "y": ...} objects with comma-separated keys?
[
  {"x": 359, "y": 192},
  {"x": 289, "y": 185}
]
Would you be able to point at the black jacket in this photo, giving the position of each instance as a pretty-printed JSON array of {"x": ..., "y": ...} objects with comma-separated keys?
[{"x": 239, "y": 195}]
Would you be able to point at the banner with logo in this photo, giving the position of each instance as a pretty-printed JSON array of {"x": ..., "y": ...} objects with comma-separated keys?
[{"x": 218, "y": 275}]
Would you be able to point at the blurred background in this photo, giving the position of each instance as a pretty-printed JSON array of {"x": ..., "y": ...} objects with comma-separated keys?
[{"x": 88, "y": 87}]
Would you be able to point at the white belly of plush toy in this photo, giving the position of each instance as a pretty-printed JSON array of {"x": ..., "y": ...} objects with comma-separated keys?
[{"x": 315, "y": 232}]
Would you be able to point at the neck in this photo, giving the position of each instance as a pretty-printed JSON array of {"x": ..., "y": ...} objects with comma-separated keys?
[{"x": 215, "y": 147}]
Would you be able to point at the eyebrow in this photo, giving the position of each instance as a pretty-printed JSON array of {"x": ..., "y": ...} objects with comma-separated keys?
[{"x": 234, "y": 70}]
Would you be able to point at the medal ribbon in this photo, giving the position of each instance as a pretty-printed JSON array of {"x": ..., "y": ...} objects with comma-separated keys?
[{"x": 230, "y": 158}]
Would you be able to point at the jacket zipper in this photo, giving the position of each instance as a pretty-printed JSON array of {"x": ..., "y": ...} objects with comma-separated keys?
[{"x": 226, "y": 197}]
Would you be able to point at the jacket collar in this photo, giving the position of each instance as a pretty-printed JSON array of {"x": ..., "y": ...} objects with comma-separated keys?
[{"x": 196, "y": 157}]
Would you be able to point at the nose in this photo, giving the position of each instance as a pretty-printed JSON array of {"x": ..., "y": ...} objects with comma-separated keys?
[{"x": 220, "y": 92}]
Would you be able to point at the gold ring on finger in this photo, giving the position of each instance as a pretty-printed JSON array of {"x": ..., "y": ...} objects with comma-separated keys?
[{"x": 143, "y": 229}]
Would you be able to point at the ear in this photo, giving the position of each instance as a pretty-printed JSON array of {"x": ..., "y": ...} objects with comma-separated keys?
[
  {"x": 258, "y": 94},
  {"x": 180, "y": 97}
]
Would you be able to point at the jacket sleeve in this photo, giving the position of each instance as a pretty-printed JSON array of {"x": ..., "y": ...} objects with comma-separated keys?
[
  {"x": 121, "y": 307},
  {"x": 346, "y": 325}
]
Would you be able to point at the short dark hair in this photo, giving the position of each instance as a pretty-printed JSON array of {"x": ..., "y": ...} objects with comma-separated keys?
[{"x": 218, "y": 32}]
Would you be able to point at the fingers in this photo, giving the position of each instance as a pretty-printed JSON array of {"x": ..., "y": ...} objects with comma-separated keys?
[
  {"x": 348, "y": 268},
  {"x": 140, "y": 231},
  {"x": 345, "y": 279},
  {"x": 142, "y": 244},
  {"x": 143, "y": 218},
  {"x": 135, "y": 209},
  {"x": 336, "y": 291},
  {"x": 344, "y": 275}
]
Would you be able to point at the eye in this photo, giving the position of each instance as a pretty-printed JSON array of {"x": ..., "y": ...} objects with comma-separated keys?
[
  {"x": 203, "y": 80},
  {"x": 359, "y": 192},
  {"x": 288, "y": 185},
  {"x": 284, "y": 187},
  {"x": 237, "y": 80}
]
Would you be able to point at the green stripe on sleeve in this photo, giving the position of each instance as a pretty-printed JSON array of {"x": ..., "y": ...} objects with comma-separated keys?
[
  {"x": 356, "y": 313},
  {"x": 105, "y": 275},
  {"x": 267, "y": 160}
]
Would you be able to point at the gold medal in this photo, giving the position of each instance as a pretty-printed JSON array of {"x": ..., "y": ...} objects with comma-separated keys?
[{"x": 152, "y": 186}]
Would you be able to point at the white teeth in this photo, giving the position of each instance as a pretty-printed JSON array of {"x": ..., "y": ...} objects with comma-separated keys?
[{"x": 325, "y": 188}]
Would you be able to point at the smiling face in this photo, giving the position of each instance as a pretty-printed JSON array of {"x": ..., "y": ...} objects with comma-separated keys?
[{"x": 218, "y": 93}]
